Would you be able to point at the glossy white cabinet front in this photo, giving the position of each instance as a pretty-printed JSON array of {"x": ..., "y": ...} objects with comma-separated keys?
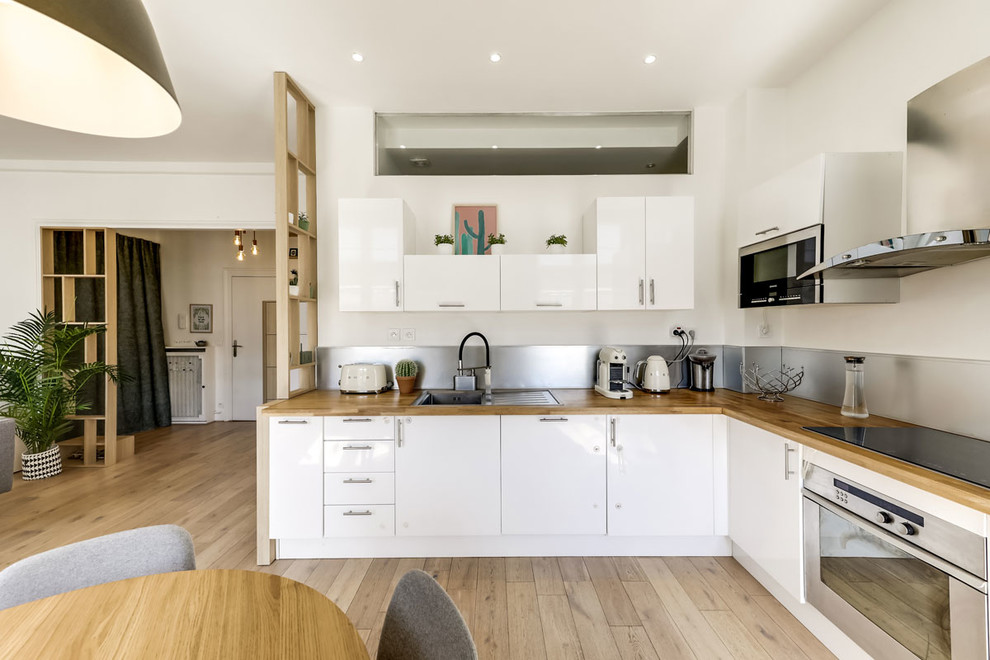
[
  {"x": 441, "y": 283},
  {"x": 553, "y": 474},
  {"x": 765, "y": 502},
  {"x": 669, "y": 253},
  {"x": 373, "y": 235},
  {"x": 660, "y": 475},
  {"x": 295, "y": 459},
  {"x": 619, "y": 228},
  {"x": 447, "y": 476},
  {"x": 548, "y": 282}
]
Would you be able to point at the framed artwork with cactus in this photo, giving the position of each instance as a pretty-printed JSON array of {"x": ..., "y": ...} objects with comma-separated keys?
[{"x": 472, "y": 225}]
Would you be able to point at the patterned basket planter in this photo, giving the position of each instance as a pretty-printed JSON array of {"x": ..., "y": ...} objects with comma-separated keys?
[{"x": 41, "y": 466}]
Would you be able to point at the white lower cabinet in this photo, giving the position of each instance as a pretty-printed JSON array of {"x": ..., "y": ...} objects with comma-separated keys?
[
  {"x": 447, "y": 476},
  {"x": 765, "y": 502},
  {"x": 661, "y": 475},
  {"x": 553, "y": 474},
  {"x": 363, "y": 520},
  {"x": 295, "y": 477}
]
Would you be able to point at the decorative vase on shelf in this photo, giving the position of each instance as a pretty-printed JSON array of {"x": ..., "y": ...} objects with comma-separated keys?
[
  {"x": 556, "y": 248},
  {"x": 445, "y": 248},
  {"x": 498, "y": 248},
  {"x": 293, "y": 289}
]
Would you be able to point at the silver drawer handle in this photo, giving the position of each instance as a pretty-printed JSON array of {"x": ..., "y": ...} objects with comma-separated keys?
[
  {"x": 357, "y": 513},
  {"x": 357, "y": 419},
  {"x": 554, "y": 304},
  {"x": 787, "y": 461},
  {"x": 553, "y": 419},
  {"x": 293, "y": 421},
  {"x": 357, "y": 481},
  {"x": 767, "y": 231},
  {"x": 357, "y": 448},
  {"x": 450, "y": 304},
  {"x": 397, "y": 293}
]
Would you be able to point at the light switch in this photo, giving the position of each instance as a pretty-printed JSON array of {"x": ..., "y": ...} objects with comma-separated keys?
[{"x": 182, "y": 321}]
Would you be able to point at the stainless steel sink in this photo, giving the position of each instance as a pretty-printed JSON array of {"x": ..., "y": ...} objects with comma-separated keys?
[{"x": 476, "y": 398}]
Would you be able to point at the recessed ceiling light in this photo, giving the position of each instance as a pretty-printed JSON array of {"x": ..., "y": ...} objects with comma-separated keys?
[
  {"x": 494, "y": 146},
  {"x": 649, "y": 59},
  {"x": 357, "y": 57},
  {"x": 495, "y": 57}
]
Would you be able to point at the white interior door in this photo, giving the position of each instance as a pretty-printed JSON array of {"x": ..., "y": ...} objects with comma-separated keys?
[{"x": 247, "y": 296}]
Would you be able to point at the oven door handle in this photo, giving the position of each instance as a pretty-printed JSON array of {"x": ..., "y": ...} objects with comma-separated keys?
[{"x": 921, "y": 555}]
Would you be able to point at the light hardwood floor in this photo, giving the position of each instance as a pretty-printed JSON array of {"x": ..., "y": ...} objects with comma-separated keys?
[{"x": 202, "y": 477}]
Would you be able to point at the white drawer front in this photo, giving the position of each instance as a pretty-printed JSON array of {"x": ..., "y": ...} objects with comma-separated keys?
[
  {"x": 359, "y": 488},
  {"x": 358, "y": 520},
  {"x": 359, "y": 456},
  {"x": 359, "y": 428}
]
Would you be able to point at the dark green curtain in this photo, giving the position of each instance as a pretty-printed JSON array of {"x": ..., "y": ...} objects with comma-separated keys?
[{"x": 143, "y": 401}]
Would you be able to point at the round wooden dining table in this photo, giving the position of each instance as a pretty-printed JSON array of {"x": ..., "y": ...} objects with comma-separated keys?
[{"x": 189, "y": 614}]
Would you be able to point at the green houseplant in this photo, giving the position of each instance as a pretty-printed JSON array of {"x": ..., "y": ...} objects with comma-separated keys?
[
  {"x": 444, "y": 243},
  {"x": 42, "y": 377},
  {"x": 497, "y": 243},
  {"x": 405, "y": 375},
  {"x": 556, "y": 243}
]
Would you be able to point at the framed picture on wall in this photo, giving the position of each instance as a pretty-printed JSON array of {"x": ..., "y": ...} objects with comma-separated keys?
[
  {"x": 472, "y": 224},
  {"x": 200, "y": 317}
]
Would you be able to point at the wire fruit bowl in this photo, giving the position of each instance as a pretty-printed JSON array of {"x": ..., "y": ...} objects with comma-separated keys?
[{"x": 772, "y": 384}]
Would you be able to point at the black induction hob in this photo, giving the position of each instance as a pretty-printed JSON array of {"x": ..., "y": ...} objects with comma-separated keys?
[{"x": 955, "y": 455}]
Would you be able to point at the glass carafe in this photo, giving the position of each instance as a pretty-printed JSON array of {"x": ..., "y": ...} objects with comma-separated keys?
[{"x": 854, "y": 402}]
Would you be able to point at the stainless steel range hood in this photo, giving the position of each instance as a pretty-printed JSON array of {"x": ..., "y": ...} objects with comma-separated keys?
[
  {"x": 906, "y": 255},
  {"x": 948, "y": 142}
]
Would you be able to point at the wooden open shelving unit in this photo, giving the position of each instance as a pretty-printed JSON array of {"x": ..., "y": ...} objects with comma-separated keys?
[
  {"x": 295, "y": 192},
  {"x": 88, "y": 263}
]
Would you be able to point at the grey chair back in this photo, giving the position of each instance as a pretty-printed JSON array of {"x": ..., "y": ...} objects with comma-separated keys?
[
  {"x": 422, "y": 623},
  {"x": 7, "y": 426},
  {"x": 136, "y": 552}
]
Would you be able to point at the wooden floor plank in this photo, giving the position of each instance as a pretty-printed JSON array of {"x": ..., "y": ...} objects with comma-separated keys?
[
  {"x": 437, "y": 564},
  {"x": 572, "y": 569},
  {"x": 525, "y": 628},
  {"x": 742, "y": 577},
  {"x": 615, "y": 601},
  {"x": 518, "y": 569},
  {"x": 663, "y": 633},
  {"x": 546, "y": 573},
  {"x": 735, "y": 636},
  {"x": 559, "y": 632},
  {"x": 628, "y": 569},
  {"x": 634, "y": 643},
  {"x": 326, "y": 572},
  {"x": 592, "y": 626},
  {"x": 491, "y": 610},
  {"x": 465, "y": 599},
  {"x": 370, "y": 596},
  {"x": 347, "y": 582},
  {"x": 794, "y": 629},
  {"x": 463, "y": 574},
  {"x": 697, "y": 588}
]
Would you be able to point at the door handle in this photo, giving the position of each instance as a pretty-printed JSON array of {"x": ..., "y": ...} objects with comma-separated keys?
[
  {"x": 235, "y": 346},
  {"x": 787, "y": 462},
  {"x": 762, "y": 232},
  {"x": 653, "y": 298},
  {"x": 611, "y": 424},
  {"x": 397, "y": 293},
  {"x": 641, "y": 281}
]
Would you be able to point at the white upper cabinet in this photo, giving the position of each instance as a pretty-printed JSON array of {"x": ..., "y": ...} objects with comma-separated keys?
[
  {"x": 547, "y": 282},
  {"x": 373, "y": 235},
  {"x": 441, "y": 283},
  {"x": 645, "y": 249}
]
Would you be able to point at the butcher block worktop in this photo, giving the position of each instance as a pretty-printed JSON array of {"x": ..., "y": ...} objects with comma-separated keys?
[{"x": 785, "y": 418}]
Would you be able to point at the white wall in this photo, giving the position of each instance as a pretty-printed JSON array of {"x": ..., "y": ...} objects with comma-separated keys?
[
  {"x": 855, "y": 100},
  {"x": 530, "y": 208}
]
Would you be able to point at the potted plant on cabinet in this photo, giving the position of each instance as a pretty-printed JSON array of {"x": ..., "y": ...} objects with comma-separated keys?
[
  {"x": 405, "y": 375},
  {"x": 294, "y": 283},
  {"x": 556, "y": 243},
  {"x": 497, "y": 243},
  {"x": 41, "y": 385},
  {"x": 444, "y": 243}
]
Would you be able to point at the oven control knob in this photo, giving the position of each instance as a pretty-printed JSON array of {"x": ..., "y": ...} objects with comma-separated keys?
[
  {"x": 906, "y": 529},
  {"x": 883, "y": 518}
]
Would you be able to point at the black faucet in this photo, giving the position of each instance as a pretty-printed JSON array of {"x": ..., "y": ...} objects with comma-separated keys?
[{"x": 464, "y": 382}]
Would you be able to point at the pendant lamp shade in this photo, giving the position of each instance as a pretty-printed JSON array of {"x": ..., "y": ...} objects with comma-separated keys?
[{"x": 90, "y": 66}]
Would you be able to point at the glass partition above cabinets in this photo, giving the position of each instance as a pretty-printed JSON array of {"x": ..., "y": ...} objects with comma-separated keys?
[{"x": 532, "y": 144}]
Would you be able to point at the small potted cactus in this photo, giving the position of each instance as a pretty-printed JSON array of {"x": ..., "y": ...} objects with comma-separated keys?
[
  {"x": 556, "y": 243},
  {"x": 497, "y": 243},
  {"x": 405, "y": 375},
  {"x": 294, "y": 282},
  {"x": 444, "y": 243}
]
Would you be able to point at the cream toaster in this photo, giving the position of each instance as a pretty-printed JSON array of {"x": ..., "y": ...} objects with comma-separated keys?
[{"x": 363, "y": 378}]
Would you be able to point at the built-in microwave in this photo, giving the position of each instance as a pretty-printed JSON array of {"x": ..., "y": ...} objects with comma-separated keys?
[{"x": 768, "y": 270}]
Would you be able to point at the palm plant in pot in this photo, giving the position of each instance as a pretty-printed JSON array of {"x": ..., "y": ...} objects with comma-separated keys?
[
  {"x": 405, "y": 375},
  {"x": 42, "y": 379}
]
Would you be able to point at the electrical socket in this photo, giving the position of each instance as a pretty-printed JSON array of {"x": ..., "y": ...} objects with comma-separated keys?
[
  {"x": 393, "y": 335},
  {"x": 677, "y": 330},
  {"x": 765, "y": 330},
  {"x": 409, "y": 334}
]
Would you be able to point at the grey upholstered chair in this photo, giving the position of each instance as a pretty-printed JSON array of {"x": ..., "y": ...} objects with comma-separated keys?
[
  {"x": 109, "y": 558},
  {"x": 422, "y": 623},
  {"x": 6, "y": 454}
]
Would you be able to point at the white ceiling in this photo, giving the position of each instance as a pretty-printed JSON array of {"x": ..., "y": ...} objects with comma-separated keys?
[{"x": 432, "y": 56}]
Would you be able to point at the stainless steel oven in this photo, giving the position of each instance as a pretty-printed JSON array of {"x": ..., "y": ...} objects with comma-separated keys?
[
  {"x": 899, "y": 581},
  {"x": 768, "y": 270}
]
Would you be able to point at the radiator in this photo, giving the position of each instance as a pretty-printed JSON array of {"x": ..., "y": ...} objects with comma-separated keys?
[{"x": 186, "y": 388}]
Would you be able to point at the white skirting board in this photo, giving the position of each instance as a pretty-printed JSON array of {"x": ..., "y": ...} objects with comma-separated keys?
[
  {"x": 505, "y": 546},
  {"x": 834, "y": 639}
]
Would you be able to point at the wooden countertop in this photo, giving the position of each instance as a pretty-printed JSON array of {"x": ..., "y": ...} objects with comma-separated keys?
[{"x": 785, "y": 419}]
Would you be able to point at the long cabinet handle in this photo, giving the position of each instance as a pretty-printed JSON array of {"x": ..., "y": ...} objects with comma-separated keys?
[
  {"x": 400, "y": 436},
  {"x": 357, "y": 481},
  {"x": 293, "y": 421},
  {"x": 551, "y": 304},
  {"x": 348, "y": 420},
  {"x": 397, "y": 293},
  {"x": 450, "y": 304},
  {"x": 553, "y": 419},
  {"x": 357, "y": 448},
  {"x": 612, "y": 427},
  {"x": 787, "y": 462},
  {"x": 653, "y": 297},
  {"x": 641, "y": 281},
  {"x": 357, "y": 513},
  {"x": 767, "y": 230}
]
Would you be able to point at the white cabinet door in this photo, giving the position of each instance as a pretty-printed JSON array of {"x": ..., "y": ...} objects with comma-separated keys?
[
  {"x": 660, "y": 475},
  {"x": 548, "y": 282},
  {"x": 765, "y": 503},
  {"x": 295, "y": 477},
  {"x": 790, "y": 201},
  {"x": 447, "y": 475},
  {"x": 373, "y": 235},
  {"x": 553, "y": 474},
  {"x": 619, "y": 226},
  {"x": 439, "y": 283},
  {"x": 670, "y": 253}
]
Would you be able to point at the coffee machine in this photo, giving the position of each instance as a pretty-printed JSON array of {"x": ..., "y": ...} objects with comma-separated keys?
[{"x": 612, "y": 370}]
